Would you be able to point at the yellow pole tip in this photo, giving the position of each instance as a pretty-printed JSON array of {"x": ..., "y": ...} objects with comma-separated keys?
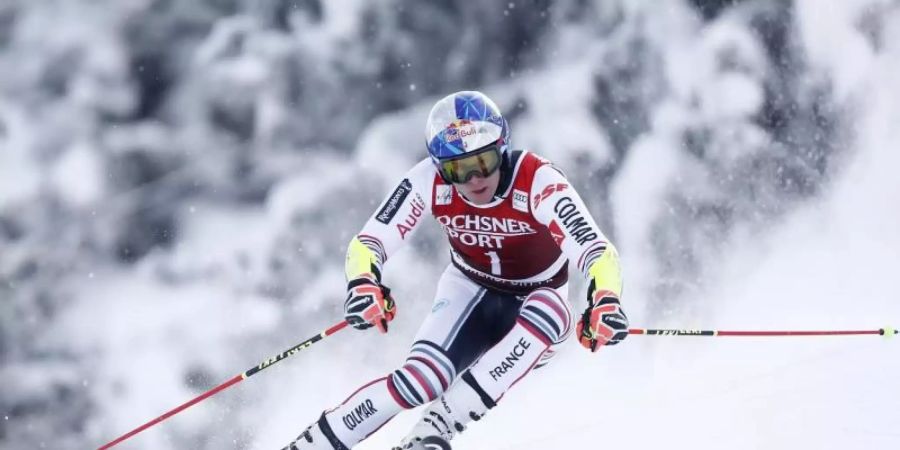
[{"x": 889, "y": 332}]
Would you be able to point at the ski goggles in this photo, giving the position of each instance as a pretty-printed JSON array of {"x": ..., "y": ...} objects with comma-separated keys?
[{"x": 461, "y": 169}]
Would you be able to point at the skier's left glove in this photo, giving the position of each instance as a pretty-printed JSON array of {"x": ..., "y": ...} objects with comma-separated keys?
[
  {"x": 369, "y": 304},
  {"x": 603, "y": 321}
]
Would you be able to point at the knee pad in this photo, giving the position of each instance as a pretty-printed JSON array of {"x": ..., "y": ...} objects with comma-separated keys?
[
  {"x": 425, "y": 375},
  {"x": 549, "y": 314}
]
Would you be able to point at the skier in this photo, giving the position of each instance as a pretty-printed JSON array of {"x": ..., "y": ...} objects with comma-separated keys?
[{"x": 514, "y": 222}]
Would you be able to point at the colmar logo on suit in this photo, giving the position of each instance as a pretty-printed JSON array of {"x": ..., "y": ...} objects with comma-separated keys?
[
  {"x": 574, "y": 221},
  {"x": 359, "y": 414}
]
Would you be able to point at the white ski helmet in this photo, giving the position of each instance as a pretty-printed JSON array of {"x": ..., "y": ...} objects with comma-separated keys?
[{"x": 466, "y": 135}]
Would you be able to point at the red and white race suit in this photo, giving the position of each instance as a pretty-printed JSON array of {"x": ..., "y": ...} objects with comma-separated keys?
[{"x": 500, "y": 310}]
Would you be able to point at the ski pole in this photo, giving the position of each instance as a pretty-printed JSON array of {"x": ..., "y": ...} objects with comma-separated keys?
[
  {"x": 234, "y": 380},
  {"x": 887, "y": 332}
]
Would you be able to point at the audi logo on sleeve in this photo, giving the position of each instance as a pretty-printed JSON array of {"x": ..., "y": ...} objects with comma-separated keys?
[{"x": 574, "y": 221}]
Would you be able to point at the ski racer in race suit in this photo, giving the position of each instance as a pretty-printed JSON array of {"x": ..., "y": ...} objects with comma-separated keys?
[{"x": 514, "y": 223}]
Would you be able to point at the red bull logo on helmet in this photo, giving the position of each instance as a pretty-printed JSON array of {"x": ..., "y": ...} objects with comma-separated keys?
[
  {"x": 471, "y": 134},
  {"x": 459, "y": 129}
]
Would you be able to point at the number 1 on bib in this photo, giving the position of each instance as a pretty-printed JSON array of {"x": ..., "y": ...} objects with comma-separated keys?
[{"x": 495, "y": 262}]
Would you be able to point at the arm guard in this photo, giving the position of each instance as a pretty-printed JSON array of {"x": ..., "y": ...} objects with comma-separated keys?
[
  {"x": 361, "y": 260},
  {"x": 604, "y": 273}
]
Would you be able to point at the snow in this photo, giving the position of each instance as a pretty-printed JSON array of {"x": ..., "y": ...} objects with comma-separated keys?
[
  {"x": 640, "y": 191},
  {"x": 94, "y": 346},
  {"x": 836, "y": 43},
  {"x": 78, "y": 176},
  {"x": 18, "y": 178},
  {"x": 830, "y": 266}
]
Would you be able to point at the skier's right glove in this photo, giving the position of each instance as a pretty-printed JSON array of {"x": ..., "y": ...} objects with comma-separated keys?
[{"x": 369, "y": 304}]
